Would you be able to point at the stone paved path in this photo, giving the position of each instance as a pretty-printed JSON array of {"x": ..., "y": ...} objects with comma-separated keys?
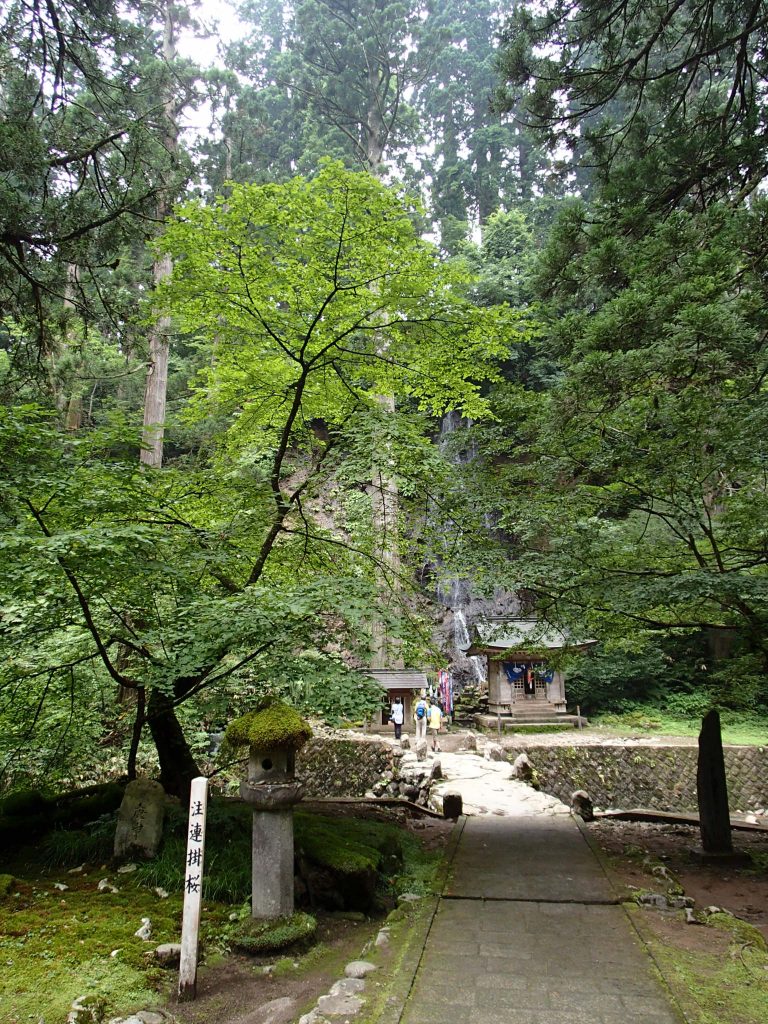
[{"x": 528, "y": 932}]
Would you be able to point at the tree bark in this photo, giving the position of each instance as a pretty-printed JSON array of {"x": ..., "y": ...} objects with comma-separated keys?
[
  {"x": 157, "y": 370},
  {"x": 177, "y": 765},
  {"x": 714, "y": 816},
  {"x": 138, "y": 725}
]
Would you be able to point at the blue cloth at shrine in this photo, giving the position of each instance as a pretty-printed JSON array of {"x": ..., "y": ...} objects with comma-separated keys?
[{"x": 513, "y": 672}]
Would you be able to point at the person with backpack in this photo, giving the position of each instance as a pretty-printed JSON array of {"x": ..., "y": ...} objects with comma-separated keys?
[
  {"x": 434, "y": 721},
  {"x": 420, "y": 713}
]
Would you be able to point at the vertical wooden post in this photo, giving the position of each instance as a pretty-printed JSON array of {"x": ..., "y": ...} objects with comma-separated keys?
[{"x": 193, "y": 889}]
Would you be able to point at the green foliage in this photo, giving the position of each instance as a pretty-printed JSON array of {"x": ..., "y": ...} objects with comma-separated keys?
[
  {"x": 305, "y": 281},
  {"x": 259, "y": 937},
  {"x": 348, "y": 845},
  {"x": 274, "y": 725}
]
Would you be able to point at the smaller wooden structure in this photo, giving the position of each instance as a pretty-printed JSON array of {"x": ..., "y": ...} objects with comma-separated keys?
[
  {"x": 406, "y": 683},
  {"x": 521, "y": 681}
]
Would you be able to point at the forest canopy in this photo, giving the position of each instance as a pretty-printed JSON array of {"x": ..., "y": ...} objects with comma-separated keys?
[{"x": 448, "y": 306}]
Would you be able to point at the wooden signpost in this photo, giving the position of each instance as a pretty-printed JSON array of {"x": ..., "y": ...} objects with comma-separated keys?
[{"x": 193, "y": 889}]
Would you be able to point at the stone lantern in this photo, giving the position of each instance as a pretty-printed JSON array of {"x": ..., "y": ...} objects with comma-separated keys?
[{"x": 273, "y": 734}]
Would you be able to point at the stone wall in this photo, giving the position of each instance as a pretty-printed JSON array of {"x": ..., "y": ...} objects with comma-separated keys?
[
  {"x": 660, "y": 778},
  {"x": 341, "y": 767}
]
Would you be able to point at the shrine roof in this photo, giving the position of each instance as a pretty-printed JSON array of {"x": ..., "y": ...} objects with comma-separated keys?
[
  {"x": 521, "y": 635},
  {"x": 399, "y": 679}
]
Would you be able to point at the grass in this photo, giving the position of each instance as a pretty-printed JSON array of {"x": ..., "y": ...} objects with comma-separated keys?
[
  {"x": 739, "y": 731},
  {"x": 716, "y": 988}
]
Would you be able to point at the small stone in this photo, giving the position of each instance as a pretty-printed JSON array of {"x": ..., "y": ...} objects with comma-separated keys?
[
  {"x": 494, "y": 752},
  {"x": 126, "y": 869},
  {"x": 339, "y": 1006},
  {"x": 690, "y": 917},
  {"x": 347, "y": 987},
  {"x": 408, "y": 897},
  {"x": 421, "y": 750},
  {"x": 168, "y": 953},
  {"x": 106, "y": 886},
  {"x": 405, "y": 743},
  {"x": 680, "y": 902},
  {"x": 162, "y": 893},
  {"x": 313, "y": 1017},
  {"x": 653, "y": 899},
  {"x": 151, "y": 1017},
  {"x": 76, "y": 871},
  {"x": 145, "y": 931},
  {"x": 437, "y": 771},
  {"x": 382, "y": 939},
  {"x": 470, "y": 742},
  {"x": 60, "y": 886},
  {"x": 359, "y": 969},
  {"x": 277, "y": 1009},
  {"x": 115, "y": 953}
]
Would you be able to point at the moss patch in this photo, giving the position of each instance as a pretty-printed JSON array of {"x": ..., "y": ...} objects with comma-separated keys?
[
  {"x": 255, "y": 936},
  {"x": 274, "y": 725},
  {"x": 742, "y": 932},
  {"x": 6, "y": 885}
]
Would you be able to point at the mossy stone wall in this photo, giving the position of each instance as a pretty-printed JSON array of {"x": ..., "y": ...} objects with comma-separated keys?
[
  {"x": 337, "y": 767},
  {"x": 659, "y": 778}
]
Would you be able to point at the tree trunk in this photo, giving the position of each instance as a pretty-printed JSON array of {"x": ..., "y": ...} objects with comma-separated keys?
[
  {"x": 157, "y": 370},
  {"x": 138, "y": 725},
  {"x": 714, "y": 817},
  {"x": 177, "y": 765}
]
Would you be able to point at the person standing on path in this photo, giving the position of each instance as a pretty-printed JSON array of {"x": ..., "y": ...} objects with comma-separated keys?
[
  {"x": 420, "y": 713},
  {"x": 434, "y": 721},
  {"x": 397, "y": 716}
]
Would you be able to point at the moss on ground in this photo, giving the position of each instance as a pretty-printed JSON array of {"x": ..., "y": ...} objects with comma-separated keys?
[
  {"x": 260, "y": 937},
  {"x": 716, "y": 988},
  {"x": 56, "y": 945}
]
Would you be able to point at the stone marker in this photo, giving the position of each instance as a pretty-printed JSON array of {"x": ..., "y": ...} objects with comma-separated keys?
[
  {"x": 140, "y": 820},
  {"x": 582, "y": 805},
  {"x": 494, "y": 752},
  {"x": 453, "y": 805},
  {"x": 522, "y": 769},
  {"x": 421, "y": 750}
]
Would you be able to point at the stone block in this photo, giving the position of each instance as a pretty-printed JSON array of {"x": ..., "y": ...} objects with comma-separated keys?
[
  {"x": 140, "y": 820},
  {"x": 452, "y": 805}
]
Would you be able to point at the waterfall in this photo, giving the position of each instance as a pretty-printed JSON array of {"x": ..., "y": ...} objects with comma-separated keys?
[{"x": 453, "y": 592}]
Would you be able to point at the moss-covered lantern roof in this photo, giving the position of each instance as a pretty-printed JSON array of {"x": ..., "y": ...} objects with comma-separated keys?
[{"x": 274, "y": 726}]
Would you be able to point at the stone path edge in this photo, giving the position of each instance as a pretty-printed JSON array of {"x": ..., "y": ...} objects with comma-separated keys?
[
  {"x": 405, "y": 972},
  {"x": 621, "y": 900}
]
